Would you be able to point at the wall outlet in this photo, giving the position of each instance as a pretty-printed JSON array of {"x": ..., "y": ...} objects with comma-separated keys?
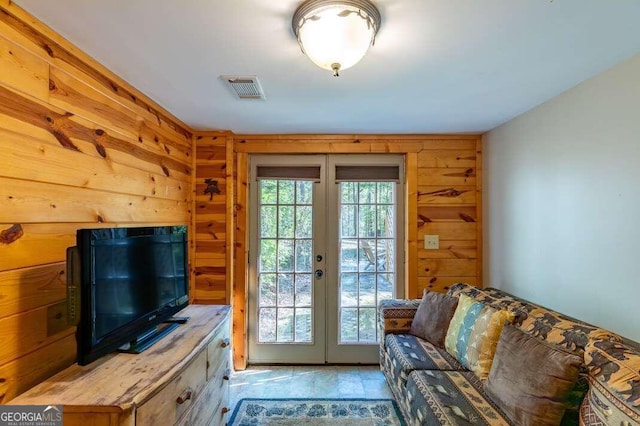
[{"x": 431, "y": 242}]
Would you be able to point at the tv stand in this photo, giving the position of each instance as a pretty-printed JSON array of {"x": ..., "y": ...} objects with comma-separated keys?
[
  {"x": 183, "y": 379},
  {"x": 145, "y": 340}
]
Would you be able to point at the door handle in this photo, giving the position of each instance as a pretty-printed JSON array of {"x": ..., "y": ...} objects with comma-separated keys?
[{"x": 319, "y": 273}]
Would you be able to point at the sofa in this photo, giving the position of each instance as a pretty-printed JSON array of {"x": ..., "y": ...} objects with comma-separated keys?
[{"x": 432, "y": 386}]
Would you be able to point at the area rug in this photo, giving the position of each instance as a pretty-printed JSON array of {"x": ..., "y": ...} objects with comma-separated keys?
[{"x": 253, "y": 411}]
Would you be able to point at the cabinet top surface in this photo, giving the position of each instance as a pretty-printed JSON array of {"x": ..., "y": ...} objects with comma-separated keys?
[{"x": 124, "y": 380}]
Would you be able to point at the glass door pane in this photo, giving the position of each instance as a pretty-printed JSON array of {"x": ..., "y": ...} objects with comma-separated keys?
[
  {"x": 366, "y": 261},
  {"x": 285, "y": 261}
]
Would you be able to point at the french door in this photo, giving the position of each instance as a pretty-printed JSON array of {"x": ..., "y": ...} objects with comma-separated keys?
[{"x": 326, "y": 245}]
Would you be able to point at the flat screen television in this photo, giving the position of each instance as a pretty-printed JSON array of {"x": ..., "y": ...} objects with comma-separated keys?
[{"x": 123, "y": 284}]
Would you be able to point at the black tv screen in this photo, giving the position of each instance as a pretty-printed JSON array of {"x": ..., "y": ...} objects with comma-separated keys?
[{"x": 131, "y": 280}]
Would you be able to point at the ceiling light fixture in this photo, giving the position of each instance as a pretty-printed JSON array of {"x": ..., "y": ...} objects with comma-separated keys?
[{"x": 336, "y": 34}]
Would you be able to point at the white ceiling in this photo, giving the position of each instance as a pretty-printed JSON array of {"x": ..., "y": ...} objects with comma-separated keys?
[{"x": 438, "y": 66}]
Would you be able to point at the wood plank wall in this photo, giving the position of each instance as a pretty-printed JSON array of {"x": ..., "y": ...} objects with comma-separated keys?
[
  {"x": 79, "y": 147},
  {"x": 213, "y": 218},
  {"x": 443, "y": 198}
]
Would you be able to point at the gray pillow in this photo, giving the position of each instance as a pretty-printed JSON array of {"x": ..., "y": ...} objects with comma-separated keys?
[
  {"x": 433, "y": 316},
  {"x": 529, "y": 380}
]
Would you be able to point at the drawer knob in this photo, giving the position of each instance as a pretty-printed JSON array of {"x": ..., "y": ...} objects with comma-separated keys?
[
  {"x": 225, "y": 410},
  {"x": 184, "y": 396},
  {"x": 227, "y": 374},
  {"x": 225, "y": 343}
]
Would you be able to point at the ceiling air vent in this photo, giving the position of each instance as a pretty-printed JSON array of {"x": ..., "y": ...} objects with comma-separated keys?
[{"x": 244, "y": 86}]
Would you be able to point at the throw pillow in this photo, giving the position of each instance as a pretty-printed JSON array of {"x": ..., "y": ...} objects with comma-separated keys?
[
  {"x": 473, "y": 334},
  {"x": 530, "y": 381},
  {"x": 433, "y": 317}
]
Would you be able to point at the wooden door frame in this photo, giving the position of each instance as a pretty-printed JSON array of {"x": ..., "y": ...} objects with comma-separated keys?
[{"x": 409, "y": 145}]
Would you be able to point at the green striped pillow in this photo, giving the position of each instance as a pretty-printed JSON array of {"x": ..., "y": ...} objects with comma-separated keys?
[{"x": 473, "y": 334}]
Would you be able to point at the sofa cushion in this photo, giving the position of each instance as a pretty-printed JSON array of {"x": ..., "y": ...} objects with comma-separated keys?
[
  {"x": 529, "y": 380},
  {"x": 614, "y": 395},
  {"x": 433, "y": 317},
  {"x": 408, "y": 353},
  {"x": 473, "y": 334},
  {"x": 450, "y": 398}
]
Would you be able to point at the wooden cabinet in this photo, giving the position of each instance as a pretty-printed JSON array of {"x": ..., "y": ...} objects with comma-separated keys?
[{"x": 183, "y": 379}]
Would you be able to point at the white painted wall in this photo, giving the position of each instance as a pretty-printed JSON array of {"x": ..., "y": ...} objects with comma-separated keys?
[{"x": 562, "y": 202}]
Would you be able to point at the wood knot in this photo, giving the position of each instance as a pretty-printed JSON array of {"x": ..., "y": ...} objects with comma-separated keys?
[
  {"x": 101, "y": 150},
  {"x": 153, "y": 179},
  {"x": 423, "y": 218},
  {"x": 140, "y": 139},
  {"x": 165, "y": 170},
  {"x": 167, "y": 150},
  {"x": 433, "y": 280},
  {"x": 48, "y": 49},
  {"x": 466, "y": 217},
  {"x": 99, "y": 132},
  {"x": 49, "y": 119},
  {"x": 52, "y": 85},
  {"x": 155, "y": 138},
  {"x": 100, "y": 219},
  {"x": 11, "y": 234},
  {"x": 64, "y": 140}
]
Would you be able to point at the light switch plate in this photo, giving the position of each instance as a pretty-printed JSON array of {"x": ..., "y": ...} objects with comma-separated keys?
[{"x": 431, "y": 242}]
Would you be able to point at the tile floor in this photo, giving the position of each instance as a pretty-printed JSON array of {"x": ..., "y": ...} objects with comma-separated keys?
[{"x": 308, "y": 382}]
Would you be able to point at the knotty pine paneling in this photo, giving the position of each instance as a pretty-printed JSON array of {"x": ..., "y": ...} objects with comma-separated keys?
[
  {"x": 213, "y": 217},
  {"x": 79, "y": 148},
  {"x": 449, "y": 205},
  {"x": 443, "y": 197}
]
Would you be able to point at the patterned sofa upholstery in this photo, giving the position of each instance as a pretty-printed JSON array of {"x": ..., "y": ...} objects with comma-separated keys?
[{"x": 433, "y": 388}]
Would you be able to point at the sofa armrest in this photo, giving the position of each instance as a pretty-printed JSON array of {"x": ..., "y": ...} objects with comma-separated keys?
[{"x": 395, "y": 315}]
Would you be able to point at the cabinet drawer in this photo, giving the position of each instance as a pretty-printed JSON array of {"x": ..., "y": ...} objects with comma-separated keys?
[
  {"x": 177, "y": 397},
  {"x": 213, "y": 400},
  {"x": 222, "y": 413},
  {"x": 218, "y": 349}
]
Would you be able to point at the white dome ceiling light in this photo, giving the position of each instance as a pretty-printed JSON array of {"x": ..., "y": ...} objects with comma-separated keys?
[{"x": 336, "y": 34}]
